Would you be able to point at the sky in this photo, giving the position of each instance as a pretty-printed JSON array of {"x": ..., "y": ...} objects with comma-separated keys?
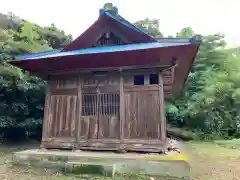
[{"x": 75, "y": 16}]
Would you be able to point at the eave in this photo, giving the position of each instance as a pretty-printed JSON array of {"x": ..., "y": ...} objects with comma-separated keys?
[{"x": 117, "y": 57}]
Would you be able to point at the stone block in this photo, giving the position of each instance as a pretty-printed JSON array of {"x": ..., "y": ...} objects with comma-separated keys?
[{"x": 90, "y": 168}]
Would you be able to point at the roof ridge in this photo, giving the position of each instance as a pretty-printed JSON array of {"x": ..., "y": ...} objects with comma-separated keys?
[
  {"x": 136, "y": 27},
  {"x": 112, "y": 11},
  {"x": 130, "y": 25}
]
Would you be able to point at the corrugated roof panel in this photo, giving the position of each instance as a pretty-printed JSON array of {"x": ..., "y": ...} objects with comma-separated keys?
[{"x": 108, "y": 49}]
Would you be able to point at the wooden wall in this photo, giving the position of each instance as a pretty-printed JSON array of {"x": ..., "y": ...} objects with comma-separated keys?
[
  {"x": 86, "y": 110},
  {"x": 167, "y": 80},
  {"x": 61, "y": 107},
  {"x": 142, "y": 112}
]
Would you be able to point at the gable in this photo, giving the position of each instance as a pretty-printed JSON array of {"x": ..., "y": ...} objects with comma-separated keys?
[
  {"x": 109, "y": 39},
  {"x": 109, "y": 22}
]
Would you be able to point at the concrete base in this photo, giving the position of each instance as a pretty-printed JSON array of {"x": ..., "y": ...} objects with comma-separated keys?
[{"x": 105, "y": 163}]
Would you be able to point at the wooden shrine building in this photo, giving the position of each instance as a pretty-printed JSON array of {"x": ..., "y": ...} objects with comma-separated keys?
[{"x": 106, "y": 89}]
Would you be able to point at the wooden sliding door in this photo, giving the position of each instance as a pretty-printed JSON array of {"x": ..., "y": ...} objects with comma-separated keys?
[
  {"x": 100, "y": 115},
  {"x": 100, "y": 108}
]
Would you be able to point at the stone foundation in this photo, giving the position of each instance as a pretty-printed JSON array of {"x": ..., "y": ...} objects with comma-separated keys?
[{"x": 105, "y": 163}]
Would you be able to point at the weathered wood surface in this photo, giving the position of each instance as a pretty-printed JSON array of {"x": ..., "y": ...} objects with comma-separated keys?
[
  {"x": 142, "y": 116},
  {"x": 162, "y": 108},
  {"x": 122, "y": 107},
  {"x": 108, "y": 144},
  {"x": 167, "y": 79},
  {"x": 63, "y": 116},
  {"x": 100, "y": 107},
  {"x": 105, "y": 111}
]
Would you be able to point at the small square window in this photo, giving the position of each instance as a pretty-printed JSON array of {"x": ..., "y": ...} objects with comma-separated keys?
[
  {"x": 139, "y": 80},
  {"x": 153, "y": 79}
]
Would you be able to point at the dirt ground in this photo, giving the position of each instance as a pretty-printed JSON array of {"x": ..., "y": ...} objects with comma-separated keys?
[{"x": 208, "y": 161}]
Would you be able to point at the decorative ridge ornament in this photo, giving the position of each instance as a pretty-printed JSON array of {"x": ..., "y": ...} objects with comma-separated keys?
[{"x": 108, "y": 7}]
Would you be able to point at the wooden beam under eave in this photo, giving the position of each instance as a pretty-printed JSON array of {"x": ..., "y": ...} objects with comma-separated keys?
[{"x": 125, "y": 69}]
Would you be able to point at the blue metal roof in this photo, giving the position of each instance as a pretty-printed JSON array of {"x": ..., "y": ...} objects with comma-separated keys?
[
  {"x": 194, "y": 40},
  {"x": 108, "y": 49},
  {"x": 113, "y": 13},
  {"x": 35, "y": 55}
]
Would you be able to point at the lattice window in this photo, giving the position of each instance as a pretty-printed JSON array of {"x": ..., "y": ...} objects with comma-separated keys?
[
  {"x": 109, "y": 104},
  {"x": 89, "y": 104},
  {"x": 100, "y": 104}
]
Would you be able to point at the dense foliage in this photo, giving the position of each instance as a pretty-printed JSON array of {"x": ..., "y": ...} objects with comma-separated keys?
[
  {"x": 209, "y": 103},
  {"x": 207, "y": 106},
  {"x": 22, "y": 95}
]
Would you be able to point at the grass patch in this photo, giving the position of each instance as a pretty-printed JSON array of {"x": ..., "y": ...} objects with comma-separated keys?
[
  {"x": 210, "y": 161},
  {"x": 231, "y": 144},
  {"x": 211, "y": 150}
]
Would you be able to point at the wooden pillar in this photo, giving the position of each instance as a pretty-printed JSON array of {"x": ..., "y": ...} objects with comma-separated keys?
[
  {"x": 122, "y": 108},
  {"x": 162, "y": 109},
  {"x": 78, "y": 112},
  {"x": 46, "y": 119}
]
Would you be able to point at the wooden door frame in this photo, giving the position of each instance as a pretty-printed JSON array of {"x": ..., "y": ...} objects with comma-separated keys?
[
  {"x": 148, "y": 88},
  {"x": 97, "y": 110},
  {"x": 99, "y": 93}
]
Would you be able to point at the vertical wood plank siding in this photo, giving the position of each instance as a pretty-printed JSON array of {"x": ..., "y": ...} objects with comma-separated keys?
[
  {"x": 95, "y": 111},
  {"x": 47, "y": 117},
  {"x": 142, "y": 116},
  {"x": 63, "y": 119}
]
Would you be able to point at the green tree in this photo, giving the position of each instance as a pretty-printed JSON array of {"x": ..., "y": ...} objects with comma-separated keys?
[
  {"x": 150, "y": 26},
  {"x": 186, "y": 32},
  {"x": 206, "y": 103},
  {"x": 54, "y": 37},
  {"x": 218, "y": 103},
  {"x": 22, "y": 95}
]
